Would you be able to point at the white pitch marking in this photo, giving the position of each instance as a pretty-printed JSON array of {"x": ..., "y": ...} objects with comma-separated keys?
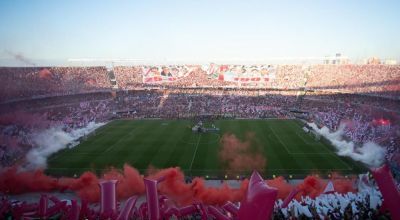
[{"x": 195, "y": 152}]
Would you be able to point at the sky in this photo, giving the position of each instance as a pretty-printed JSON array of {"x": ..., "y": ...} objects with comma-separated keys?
[{"x": 53, "y": 31}]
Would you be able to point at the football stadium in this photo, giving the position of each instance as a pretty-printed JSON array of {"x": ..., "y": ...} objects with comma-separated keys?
[{"x": 211, "y": 110}]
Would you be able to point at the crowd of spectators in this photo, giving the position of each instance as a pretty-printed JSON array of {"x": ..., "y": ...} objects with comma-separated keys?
[
  {"x": 177, "y": 103},
  {"x": 128, "y": 77},
  {"x": 362, "y": 101},
  {"x": 362, "y": 205},
  {"x": 379, "y": 80},
  {"x": 30, "y": 82},
  {"x": 372, "y": 80}
]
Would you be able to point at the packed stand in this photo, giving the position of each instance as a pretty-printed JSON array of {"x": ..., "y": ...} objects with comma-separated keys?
[
  {"x": 32, "y": 82},
  {"x": 380, "y": 80}
]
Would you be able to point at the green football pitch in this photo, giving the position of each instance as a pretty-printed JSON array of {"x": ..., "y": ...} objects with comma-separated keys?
[{"x": 288, "y": 150}]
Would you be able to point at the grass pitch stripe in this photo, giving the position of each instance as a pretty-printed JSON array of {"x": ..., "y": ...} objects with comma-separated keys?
[
  {"x": 120, "y": 140},
  {"x": 279, "y": 139},
  {"x": 144, "y": 143}
]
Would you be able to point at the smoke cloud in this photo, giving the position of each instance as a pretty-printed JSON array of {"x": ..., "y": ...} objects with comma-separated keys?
[
  {"x": 369, "y": 153},
  {"x": 52, "y": 140},
  {"x": 21, "y": 58},
  {"x": 239, "y": 155}
]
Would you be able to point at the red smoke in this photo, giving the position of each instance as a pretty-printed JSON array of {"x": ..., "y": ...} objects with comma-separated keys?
[
  {"x": 241, "y": 156},
  {"x": 217, "y": 196},
  {"x": 126, "y": 179},
  {"x": 45, "y": 74},
  {"x": 343, "y": 185},
  {"x": 313, "y": 186},
  {"x": 173, "y": 185},
  {"x": 284, "y": 188},
  {"x": 86, "y": 186},
  {"x": 14, "y": 182}
]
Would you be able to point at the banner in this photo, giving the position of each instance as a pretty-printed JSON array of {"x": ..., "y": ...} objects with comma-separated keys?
[
  {"x": 164, "y": 74},
  {"x": 253, "y": 75}
]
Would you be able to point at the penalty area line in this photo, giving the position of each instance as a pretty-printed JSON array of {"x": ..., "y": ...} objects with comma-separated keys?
[{"x": 195, "y": 152}]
